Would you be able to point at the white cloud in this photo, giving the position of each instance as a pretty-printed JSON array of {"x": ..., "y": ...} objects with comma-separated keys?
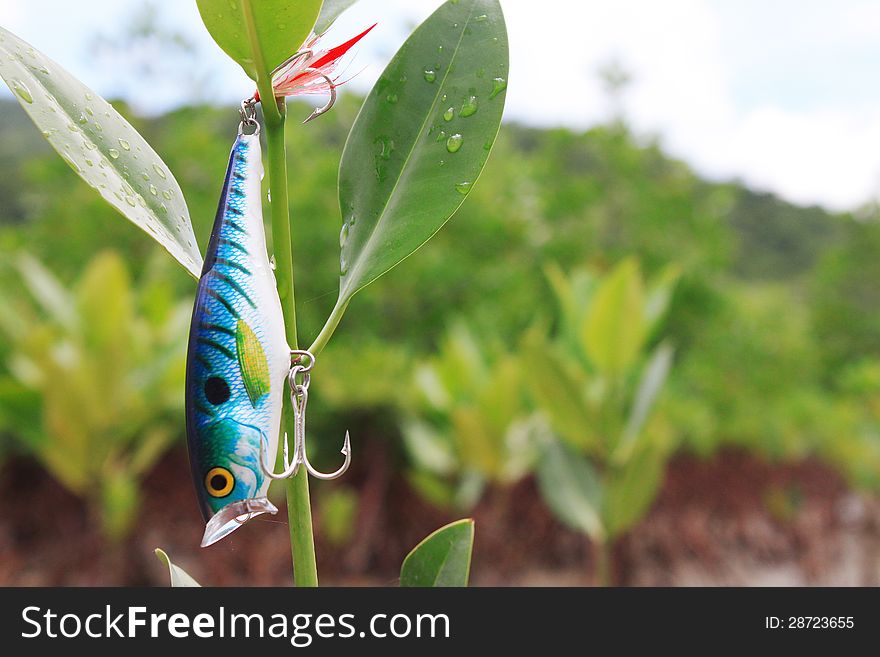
[{"x": 768, "y": 92}]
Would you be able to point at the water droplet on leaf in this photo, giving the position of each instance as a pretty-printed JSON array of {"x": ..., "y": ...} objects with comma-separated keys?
[
  {"x": 113, "y": 153},
  {"x": 73, "y": 165},
  {"x": 469, "y": 107},
  {"x": 448, "y": 114},
  {"x": 463, "y": 187},
  {"x": 125, "y": 145},
  {"x": 387, "y": 148},
  {"x": 498, "y": 85},
  {"x": 454, "y": 143},
  {"x": 21, "y": 90},
  {"x": 430, "y": 75}
]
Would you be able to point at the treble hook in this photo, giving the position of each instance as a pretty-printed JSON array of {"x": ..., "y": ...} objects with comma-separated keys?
[
  {"x": 288, "y": 63},
  {"x": 299, "y": 397},
  {"x": 330, "y": 103}
]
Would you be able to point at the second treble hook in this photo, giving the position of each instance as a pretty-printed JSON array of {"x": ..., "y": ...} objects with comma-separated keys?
[{"x": 298, "y": 379}]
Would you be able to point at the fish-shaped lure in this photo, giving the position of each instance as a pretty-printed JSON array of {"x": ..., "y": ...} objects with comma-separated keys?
[{"x": 237, "y": 359}]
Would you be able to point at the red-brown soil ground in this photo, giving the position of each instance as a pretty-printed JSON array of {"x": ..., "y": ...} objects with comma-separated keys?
[{"x": 731, "y": 520}]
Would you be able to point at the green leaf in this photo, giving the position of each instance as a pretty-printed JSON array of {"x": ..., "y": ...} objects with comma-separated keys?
[
  {"x": 55, "y": 302},
  {"x": 614, "y": 329},
  {"x": 573, "y": 293},
  {"x": 650, "y": 385},
  {"x": 631, "y": 489},
  {"x": 330, "y": 11},
  {"x": 104, "y": 298},
  {"x": 659, "y": 294},
  {"x": 442, "y": 559},
  {"x": 101, "y": 147},
  {"x": 179, "y": 577},
  {"x": 276, "y": 28},
  {"x": 557, "y": 386},
  {"x": 572, "y": 488},
  {"x": 399, "y": 179}
]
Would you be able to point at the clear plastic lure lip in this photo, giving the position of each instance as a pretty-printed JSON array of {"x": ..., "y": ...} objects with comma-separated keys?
[{"x": 232, "y": 516}]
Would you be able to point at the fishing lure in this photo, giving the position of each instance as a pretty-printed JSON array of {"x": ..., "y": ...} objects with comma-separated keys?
[{"x": 238, "y": 357}]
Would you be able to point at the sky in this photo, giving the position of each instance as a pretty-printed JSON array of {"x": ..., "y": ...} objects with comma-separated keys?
[{"x": 781, "y": 95}]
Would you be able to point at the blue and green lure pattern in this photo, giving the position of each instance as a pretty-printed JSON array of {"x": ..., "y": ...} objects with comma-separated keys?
[{"x": 237, "y": 359}]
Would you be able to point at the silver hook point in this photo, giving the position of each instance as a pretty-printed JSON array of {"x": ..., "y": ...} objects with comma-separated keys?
[
  {"x": 330, "y": 103},
  {"x": 346, "y": 451}
]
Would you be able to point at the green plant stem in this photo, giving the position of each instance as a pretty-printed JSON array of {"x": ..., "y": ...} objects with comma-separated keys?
[
  {"x": 329, "y": 327},
  {"x": 299, "y": 512},
  {"x": 272, "y": 114},
  {"x": 603, "y": 556}
]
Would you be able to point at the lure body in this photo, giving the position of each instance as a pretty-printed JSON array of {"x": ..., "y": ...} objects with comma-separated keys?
[{"x": 237, "y": 358}]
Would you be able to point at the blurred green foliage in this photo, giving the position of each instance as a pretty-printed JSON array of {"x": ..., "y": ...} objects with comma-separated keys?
[
  {"x": 596, "y": 382},
  {"x": 772, "y": 313},
  {"x": 92, "y": 376},
  {"x": 467, "y": 422}
]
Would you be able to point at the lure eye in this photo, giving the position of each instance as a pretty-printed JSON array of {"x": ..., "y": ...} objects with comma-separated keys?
[
  {"x": 219, "y": 482},
  {"x": 216, "y": 390}
]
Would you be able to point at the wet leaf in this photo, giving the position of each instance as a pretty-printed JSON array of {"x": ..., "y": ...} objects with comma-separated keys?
[
  {"x": 101, "y": 147},
  {"x": 405, "y": 168}
]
